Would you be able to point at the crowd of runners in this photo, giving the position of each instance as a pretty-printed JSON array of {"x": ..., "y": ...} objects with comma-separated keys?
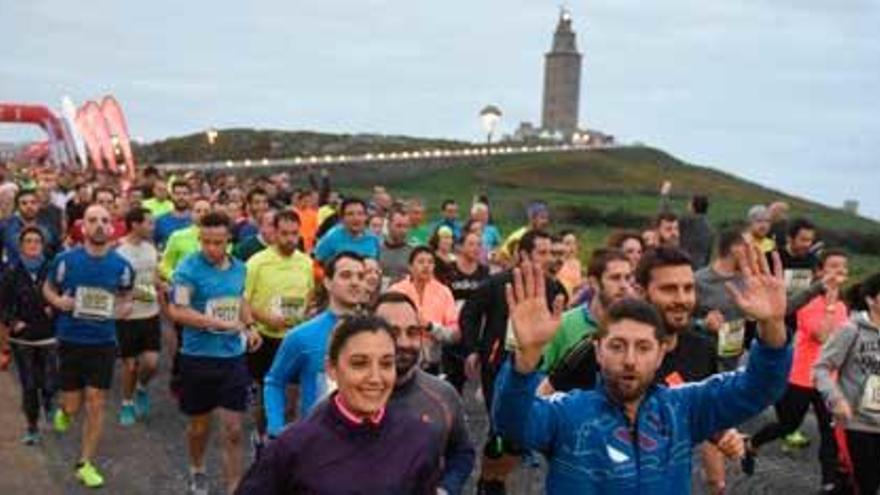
[{"x": 347, "y": 330}]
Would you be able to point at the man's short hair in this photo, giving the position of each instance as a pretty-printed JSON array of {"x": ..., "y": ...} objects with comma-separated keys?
[
  {"x": 666, "y": 216},
  {"x": 351, "y": 200},
  {"x": 700, "y": 204},
  {"x": 136, "y": 215},
  {"x": 257, "y": 191},
  {"x": 447, "y": 202},
  {"x": 24, "y": 192},
  {"x": 394, "y": 297},
  {"x": 330, "y": 268},
  {"x": 635, "y": 309},
  {"x": 528, "y": 241},
  {"x": 179, "y": 183},
  {"x": 799, "y": 224},
  {"x": 99, "y": 190},
  {"x": 659, "y": 257},
  {"x": 600, "y": 260},
  {"x": 727, "y": 239},
  {"x": 286, "y": 216},
  {"x": 215, "y": 219}
]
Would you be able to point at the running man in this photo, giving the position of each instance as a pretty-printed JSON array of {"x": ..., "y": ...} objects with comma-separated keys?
[
  {"x": 139, "y": 334},
  {"x": 90, "y": 287},
  {"x": 303, "y": 352},
  {"x": 208, "y": 303},
  {"x": 279, "y": 286}
]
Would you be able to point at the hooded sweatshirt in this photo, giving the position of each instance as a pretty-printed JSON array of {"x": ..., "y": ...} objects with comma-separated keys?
[{"x": 854, "y": 352}]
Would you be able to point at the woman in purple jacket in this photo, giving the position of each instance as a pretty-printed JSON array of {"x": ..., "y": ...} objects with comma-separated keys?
[{"x": 350, "y": 443}]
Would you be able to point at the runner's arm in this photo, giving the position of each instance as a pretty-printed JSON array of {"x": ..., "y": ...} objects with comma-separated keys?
[
  {"x": 529, "y": 421},
  {"x": 459, "y": 452},
  {"x": 285, "y": 367},
  {"x": 830, "y": 360}
]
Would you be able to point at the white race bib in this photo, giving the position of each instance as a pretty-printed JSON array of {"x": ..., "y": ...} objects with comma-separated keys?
[
  {"x": 797, "y": 280},
  {"x": 226, "y": 309},
  {"x": 290, "y": 308},
  {"x": 94, "y": 303},
  {"x": 731, "y": 337},
  {"x": 871, "y": 395}
]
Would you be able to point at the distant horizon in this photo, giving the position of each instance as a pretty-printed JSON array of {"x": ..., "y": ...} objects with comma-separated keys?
[{"x": 776, "y": 93}]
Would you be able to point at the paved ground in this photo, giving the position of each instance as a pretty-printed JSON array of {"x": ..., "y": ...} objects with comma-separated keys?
[{"x": 150, "y": 458}]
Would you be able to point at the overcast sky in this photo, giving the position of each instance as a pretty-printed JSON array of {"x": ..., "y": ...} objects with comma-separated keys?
[{"x": 784, "y": 92}]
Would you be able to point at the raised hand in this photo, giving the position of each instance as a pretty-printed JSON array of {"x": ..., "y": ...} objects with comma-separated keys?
[
  {"x": 762, "y": 296},
  {"x": 534, "y": 324}
]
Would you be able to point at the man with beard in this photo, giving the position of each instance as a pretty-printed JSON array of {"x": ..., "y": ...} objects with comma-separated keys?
[
  {"x": 666, "y": 277},
  {"x": 630, "y": 435},
  {"x": 176, "y": 219},
  {"x": 28, "y": 206},
  {"x": 394, "y": 257},
  {"x": 301, "y": 357},
  {"x": 610, "y": 277},
  {"x": 279, "y": 288},
  {"x": 488, "y": 338},
  {"x": 90, "y": 287},
  {"x": 351, "y": 235},
  {"x": 424, "y": 396}
]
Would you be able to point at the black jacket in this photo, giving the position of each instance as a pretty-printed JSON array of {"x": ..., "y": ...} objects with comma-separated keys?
[
  {"x": 483, "y": 318},
  {"x": 21, "y": 299}
]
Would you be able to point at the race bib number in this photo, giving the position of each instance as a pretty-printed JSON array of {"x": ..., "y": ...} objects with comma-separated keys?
[
  {"x": 731, "y": 337},
  {"x": 94, "y": 303},
  {"x": 145, "y": 292},
  {"x": 871, "y": 395},
  {"x": 797, "y": 280},
  {"x": 290, "y": 308},
  {"x": 510, "y": 341},
  {"x": 226, "y": 309}
]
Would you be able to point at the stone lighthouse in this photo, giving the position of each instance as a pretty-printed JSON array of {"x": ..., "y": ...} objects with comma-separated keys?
[{"x": 562, "y": 81}]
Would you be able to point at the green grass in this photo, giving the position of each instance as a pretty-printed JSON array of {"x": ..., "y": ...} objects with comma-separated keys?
[{"x": 625, "y": 179}]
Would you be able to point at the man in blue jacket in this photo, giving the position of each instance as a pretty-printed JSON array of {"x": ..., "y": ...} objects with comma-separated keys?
[{"x": 630, "y": 435}]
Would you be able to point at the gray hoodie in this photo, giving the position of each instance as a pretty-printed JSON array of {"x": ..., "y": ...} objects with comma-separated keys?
[{"x": 854, "y": 352}]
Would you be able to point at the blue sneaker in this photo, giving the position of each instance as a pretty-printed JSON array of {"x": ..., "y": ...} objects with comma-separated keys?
[
  {"x": 31, "y": 438},
  {"x": 142, "y": 402},
  {"x": 127, "y": 416}
]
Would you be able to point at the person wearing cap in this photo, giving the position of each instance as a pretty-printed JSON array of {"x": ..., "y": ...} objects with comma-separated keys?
[
  {"x": 758, "y": 230},
  {"x": 539, "y": 219}
]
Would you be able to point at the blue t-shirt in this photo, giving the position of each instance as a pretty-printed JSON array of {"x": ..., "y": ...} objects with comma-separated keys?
[
  {"x": 338, "y": 240},
  {"x": 213, "y": 292},
  {"x": 491, "y": 237},
  {"x": 166, "y": 225},
  {"x": 300, "y": 359},
  {"x": 94, "y": 282}
]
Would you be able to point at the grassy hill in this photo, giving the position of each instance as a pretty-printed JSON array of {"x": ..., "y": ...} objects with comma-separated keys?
[
  {"x": 239, "y": 144},
  {"x": 597, "y": 191}
]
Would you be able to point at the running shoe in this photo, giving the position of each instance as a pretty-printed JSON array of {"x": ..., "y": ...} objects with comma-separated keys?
[
  {"x": 198, "y": 484},
  {"x": 127, "y": 416},
  {"x": 797, "y": 440},
  {"x": 31, "y": 438},
  {"x": 142, "y": 402},
  {"x": 89, "y": 476},
  {"x": 60, "y": 421}
]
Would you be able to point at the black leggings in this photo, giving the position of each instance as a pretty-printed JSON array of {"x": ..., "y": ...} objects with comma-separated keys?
[
  {"x": 864, "y": 450},
  {"x": 38, "y": 374},
  {"x": 790, "y": 413}
]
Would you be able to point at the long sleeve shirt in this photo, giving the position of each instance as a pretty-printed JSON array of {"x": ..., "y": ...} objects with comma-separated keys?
[
  {"x": 592, "y": 445},
  {"x": 300, "y": 359},
  {"x": 330, "y": 454},
  {"x": 435, "y": 403}
]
